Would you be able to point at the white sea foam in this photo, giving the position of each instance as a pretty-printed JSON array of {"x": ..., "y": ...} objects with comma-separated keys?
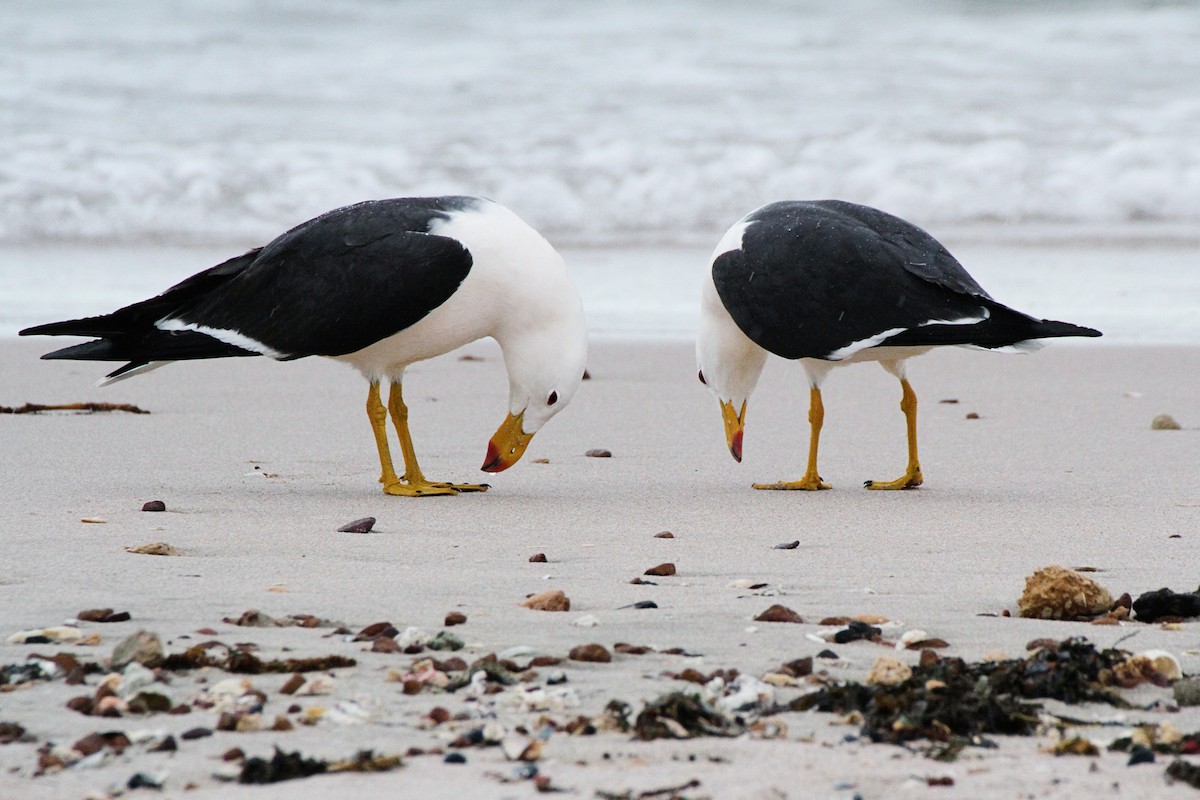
[{"x": 617, "y": 123}]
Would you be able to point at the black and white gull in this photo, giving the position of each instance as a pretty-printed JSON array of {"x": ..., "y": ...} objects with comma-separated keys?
[
  {"x": 378, "y": 285},
  {"x": 832, "y": 283}
]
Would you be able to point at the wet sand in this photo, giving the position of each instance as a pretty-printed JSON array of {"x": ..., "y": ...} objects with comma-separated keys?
[{"x": 1060, "y": 467}]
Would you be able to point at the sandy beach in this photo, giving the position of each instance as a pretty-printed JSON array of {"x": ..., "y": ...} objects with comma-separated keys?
[{"x": 259, "y": 463}]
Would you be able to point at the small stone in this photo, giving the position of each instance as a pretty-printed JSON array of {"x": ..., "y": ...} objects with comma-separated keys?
[
  {"x": 92, "y": 743},
  {"x": 12, "y": 732},
  {"x": 1187, "y": 692},
  {"x": 195, "y": 733},
  {"x": 144, "y": 780},
  {"x": 363, "y": 525},
  {"x": 376, "y": 630},
  {"x": 787, "y": 545},
  {"x": 93, "y": 614},
  {"x": 167, "y": 745},
  {"x": 855, "y": 630},
  {"x": 455, "y": 758},
  {"x": 154, "y": 505},
  {"x": 385, "y": 644},
  {"x": 779, "y": 613},
  {"x": 1164, "y": 422},
  {"x": 797, "y": 668},
  {"x": 143, "y": 647},
  {"x": 454, "y": 618},
  {"x": 598, "y": 453},
  {"x": 640, "y": 604},
  {"x": 661, "y": 570},
  {"x": 664, "y": 535},
  {"x": 590, "y": 652},
  {"x": 550, "y": 600},
  {"x": 1140, "y": 754},
  {"x": 972, "y": 415},
  {"x": 292, "y": 684},
  {"x": 537, "y": 558}
]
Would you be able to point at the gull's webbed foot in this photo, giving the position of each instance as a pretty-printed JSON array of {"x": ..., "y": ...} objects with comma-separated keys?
[
  {"x": 402, "y": 488},
  {"x": 909, "y": 480},
  {"x": 809, "y": 483}
]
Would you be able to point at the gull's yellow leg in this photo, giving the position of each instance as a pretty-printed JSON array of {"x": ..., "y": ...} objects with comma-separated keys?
[
  {"x": 377, "y": 413},
  {"x": 911, "y": 478},
  {"x": 414, "y": 483},
  {"x": 811, "y": 481}
]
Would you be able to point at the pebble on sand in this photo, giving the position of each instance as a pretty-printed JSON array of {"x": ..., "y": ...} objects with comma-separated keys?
[
  {"x": 143, "y": 647},
  {"x": 537, "y": 558},
  {"x": 779, "y": 613},
  {"x": 598, "y": 452},
  {"x": 154, "y": 505},
  {"x": 549, "y": 600},
  {"x": 661, "y": 570},
  {"x": 1164, "y": 422},
  {"x": 590, "y": 652},
  {"x": 363, "y": 525}
]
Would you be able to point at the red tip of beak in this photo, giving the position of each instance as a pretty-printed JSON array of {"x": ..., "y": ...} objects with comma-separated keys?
[
  {"x": 735, "y": 447},
  {"x": 491, "y": 462}
]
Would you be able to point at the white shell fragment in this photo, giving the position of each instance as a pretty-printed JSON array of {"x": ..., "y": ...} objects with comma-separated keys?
[{"x": 62, "y": 633}]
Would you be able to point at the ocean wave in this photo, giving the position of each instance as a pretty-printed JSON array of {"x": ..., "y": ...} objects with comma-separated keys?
[{"x": 630, "y": 123}]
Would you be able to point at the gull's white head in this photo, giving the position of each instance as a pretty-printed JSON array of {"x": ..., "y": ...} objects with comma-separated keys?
[
  {"x": 729, "y": 362},
  {"x": 544, "y": 339}
]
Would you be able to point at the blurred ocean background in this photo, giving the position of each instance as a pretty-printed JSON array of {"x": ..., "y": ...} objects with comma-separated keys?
[{"x": 1054, "y": 146}]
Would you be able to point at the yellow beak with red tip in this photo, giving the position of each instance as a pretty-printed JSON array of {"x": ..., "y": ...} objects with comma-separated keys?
[
  {"x": 734, "y": 422},
  {"x": 507, "y": 444}
]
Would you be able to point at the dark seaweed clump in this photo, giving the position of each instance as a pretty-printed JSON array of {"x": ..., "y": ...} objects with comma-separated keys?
[
  {"x": 948, "y": 699},
  {"x": 679, "y": 715},
  {"x": 1166, "y": 604},
  {"x": 280, "y": 767},
  {"x": 1189, "y": 745}
]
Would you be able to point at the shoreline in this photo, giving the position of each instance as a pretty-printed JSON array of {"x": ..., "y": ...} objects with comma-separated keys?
[{"x": 1138, "y": 293}]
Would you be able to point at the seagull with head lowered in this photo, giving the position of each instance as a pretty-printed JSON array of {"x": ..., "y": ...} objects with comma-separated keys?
[
  {"x": 377, "y": 285},
  {"x": 833, "y": 283}
]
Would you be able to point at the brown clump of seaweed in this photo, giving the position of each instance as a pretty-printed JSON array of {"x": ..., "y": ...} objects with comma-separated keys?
[
  {"x": 239, "y": 661},
  {"x": 85, "y": 408},
  {"x": 678, "y": 715},
  {"x": 283, "y": 766},
  {"x": 948, "y": 699}
]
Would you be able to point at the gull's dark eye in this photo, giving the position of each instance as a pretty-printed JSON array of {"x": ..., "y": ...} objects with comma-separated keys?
[
  {"x": 552, "y": 399},
  {"x": 700, "y": 375}
]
